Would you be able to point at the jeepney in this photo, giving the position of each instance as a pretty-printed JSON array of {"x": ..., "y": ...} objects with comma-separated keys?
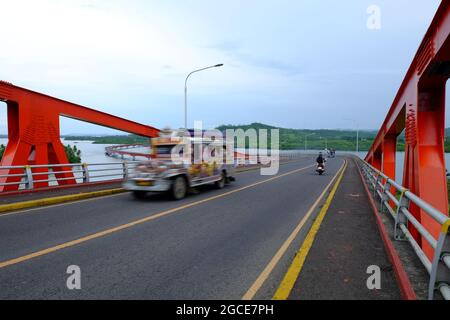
[{"x": 162, "y": 174}]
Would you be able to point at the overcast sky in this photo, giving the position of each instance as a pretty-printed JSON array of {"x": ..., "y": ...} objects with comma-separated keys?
[{"x": 291, "y": 63}]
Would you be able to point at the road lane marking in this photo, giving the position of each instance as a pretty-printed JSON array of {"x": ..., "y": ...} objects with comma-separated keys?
[
  {"x": 279, "y": 254},
  {"x": 57, "y": 200},
  {"x": 12, "y": 207},
  {"x": 294, "y": 270},
  {"x": 140, "y": 221},
  {"x": 5, "y": 214}
]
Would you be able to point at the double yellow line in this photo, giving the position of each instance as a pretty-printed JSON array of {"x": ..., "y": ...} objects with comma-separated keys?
[{"x": 140, "y": 221}]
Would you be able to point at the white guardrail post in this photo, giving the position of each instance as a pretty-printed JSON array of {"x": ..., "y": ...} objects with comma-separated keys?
[
  {"x": 86, "y": 177},
  {"x": 82, "y": 173},
  {"x": 125, "y": 169},
  {"x": 29, "y": 178},
  {"x": 384, "y": 196},
  {"x": 400, "y": 217},
  {"x": 377, "y": 182},
  {"x": 439, "y": 268}
]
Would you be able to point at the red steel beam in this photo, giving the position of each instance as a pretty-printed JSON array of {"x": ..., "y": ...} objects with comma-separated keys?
[
  {"x": 34, "y": 131},
  {"x": 419, "y": 109}
]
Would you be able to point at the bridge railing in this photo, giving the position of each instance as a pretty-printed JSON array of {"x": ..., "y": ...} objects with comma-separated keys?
[
  {"x": 397, "y": 200},
  {"x": 27, "y": 177},
  {"x": 124, "y": 150}
]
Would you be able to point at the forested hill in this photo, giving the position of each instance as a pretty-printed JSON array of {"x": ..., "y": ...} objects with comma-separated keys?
[{"x": 317, "y": 139}]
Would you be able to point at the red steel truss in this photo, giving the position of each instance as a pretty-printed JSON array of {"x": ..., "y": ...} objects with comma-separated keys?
[
  {"x": 419, "y": 109},
  {"x": 33, "y": 132}
]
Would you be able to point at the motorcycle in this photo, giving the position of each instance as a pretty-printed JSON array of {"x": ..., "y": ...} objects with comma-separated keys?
[{"x": 320, "y": 169}]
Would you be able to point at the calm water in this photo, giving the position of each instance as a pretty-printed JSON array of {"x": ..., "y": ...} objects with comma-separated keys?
[
  {"x": 95, "y": 153},
  {"x": 91, "y": 153}
]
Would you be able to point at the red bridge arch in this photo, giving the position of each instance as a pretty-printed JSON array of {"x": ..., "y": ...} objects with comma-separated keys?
[{"x": 34, "y": 132}]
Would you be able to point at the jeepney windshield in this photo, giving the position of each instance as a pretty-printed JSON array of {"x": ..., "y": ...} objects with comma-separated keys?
[{"x": 164, "y": 149}]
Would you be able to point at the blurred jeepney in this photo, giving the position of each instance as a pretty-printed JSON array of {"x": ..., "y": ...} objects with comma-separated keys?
[{"x": 163, "y": 174}]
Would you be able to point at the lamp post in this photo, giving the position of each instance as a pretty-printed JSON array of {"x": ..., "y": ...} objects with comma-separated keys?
[
  {"x": 357, "y": 133},
  {"x": 326, "y": 142},
  {"x": 306, "y": 139},
  {"x": 185, "y": 89},
  {"x": 357, "y": 139}
]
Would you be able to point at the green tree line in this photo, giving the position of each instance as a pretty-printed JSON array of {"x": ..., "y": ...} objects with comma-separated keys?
[
  {"x": 117, "y": 139},
  {"x": 290, "y": 139}
]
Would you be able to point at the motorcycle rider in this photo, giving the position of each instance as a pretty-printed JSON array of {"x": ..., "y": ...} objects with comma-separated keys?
[{"x": 320, "y": 160}]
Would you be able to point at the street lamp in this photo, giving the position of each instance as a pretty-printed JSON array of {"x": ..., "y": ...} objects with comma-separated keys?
[
  {"x": 306, "y": 139},
  {"x": 326, "y": 142},
  {"x": 185, "y": 89},
  {"x": 357, "y": 139}
]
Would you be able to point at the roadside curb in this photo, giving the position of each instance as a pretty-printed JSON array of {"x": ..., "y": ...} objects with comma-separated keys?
[
  {"x": 63, "y": 187},
  {"x": 56, "y": 200},
  {"x": 404, "y": 283}
]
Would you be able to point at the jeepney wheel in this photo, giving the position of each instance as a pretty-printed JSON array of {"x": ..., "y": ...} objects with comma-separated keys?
[
  {"x": 139, "y": 194},
  {"x": 179, "y": 188},
  {"x": 221, "y": 183}
]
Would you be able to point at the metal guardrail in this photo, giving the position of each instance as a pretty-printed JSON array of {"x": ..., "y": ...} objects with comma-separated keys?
[
  {"x": 52, "y": 174},
  {"x": 439, "y": 268},
  {"x": 28, "y": 176}
]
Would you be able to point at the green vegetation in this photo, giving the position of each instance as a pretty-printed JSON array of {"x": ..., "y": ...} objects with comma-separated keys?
[
  {"x": 123, "y": 139},
  {"x": 73, "y": 154},
  {"x": 290, "y": 139},
  {"x": 344, "y": 140}
]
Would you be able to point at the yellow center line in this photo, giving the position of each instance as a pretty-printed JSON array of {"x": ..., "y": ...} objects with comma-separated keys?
[
  {"x": 280, "y": 253},
  {"x": 294, "y": 270},
  {"x": 44, "y": 207},
  {"x": 140, "y": 221}
]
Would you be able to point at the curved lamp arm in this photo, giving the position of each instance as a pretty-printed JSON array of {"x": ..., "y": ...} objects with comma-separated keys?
[{"x": 185, "y": 89}]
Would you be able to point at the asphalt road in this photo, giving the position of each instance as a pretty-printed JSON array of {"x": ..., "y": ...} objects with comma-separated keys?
[{"x": 211, "y": 245}]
